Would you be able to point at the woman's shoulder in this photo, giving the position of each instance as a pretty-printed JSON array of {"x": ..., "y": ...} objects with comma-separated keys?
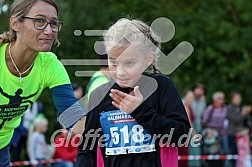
[
  {"x": 210, "y": 107},
  {"x": 49, "y": 59},
  {"x": 47, "y": 56},
  {"x": 231, "y": 108}
]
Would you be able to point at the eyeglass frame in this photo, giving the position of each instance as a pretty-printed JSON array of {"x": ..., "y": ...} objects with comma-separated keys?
[{"x": 50, "y": 22}]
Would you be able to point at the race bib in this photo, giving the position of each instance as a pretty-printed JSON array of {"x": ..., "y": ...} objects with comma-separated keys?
[{"x": 123, "y": 135}]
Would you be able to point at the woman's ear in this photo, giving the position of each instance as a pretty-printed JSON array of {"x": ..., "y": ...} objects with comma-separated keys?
[
  {"x": 149, "y": 59},
  {"x": 14, "y": 23}
]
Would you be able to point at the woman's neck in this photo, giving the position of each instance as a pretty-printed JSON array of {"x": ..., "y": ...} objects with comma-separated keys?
[{"x": 21, "y": 57}]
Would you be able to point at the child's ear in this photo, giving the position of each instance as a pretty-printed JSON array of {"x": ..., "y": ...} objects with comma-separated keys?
[
  {"x": 149, "y": 59},
  {"x": 14, "y": 23}
]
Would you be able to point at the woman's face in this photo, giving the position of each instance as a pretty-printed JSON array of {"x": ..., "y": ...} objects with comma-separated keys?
[
  {"x": 126, "y": 65},
  {"x": 28, "y": 35},
  {"x": 220, "y": 99},
  {"x": 236, "y": 100},
  {"x": 189, "y": 97}
]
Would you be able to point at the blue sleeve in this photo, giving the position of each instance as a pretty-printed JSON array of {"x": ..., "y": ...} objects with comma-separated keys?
[{"x": 68, "y": 107}]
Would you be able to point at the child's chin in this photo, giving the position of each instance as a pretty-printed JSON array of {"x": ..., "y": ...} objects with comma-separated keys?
[{"x": 124, "y": 85}]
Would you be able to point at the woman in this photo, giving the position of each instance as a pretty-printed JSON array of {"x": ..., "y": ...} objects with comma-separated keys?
[
  {"x": 27, "y": 67},
  {"x": 236, "y": 115}
]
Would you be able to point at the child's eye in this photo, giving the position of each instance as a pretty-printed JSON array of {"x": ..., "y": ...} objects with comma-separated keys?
[
  {"x": 130, "y": 63},
  {"x": 112, "y": 62}
]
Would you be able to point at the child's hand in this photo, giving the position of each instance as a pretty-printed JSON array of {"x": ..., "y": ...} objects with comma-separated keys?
[{"x": 125, "y": 102}]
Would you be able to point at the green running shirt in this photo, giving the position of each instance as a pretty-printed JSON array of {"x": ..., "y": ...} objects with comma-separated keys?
[
  {"x": 16, "y": 97},
  {"x": 95, "y": 81}
]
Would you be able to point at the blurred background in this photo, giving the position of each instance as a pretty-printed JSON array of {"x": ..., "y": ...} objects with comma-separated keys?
[{"x": 219, "y": 30}]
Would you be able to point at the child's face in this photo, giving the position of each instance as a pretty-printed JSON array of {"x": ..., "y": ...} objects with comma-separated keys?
[
  {"x": 126, "y": 65},
  {"x": 43, "y": 128}
]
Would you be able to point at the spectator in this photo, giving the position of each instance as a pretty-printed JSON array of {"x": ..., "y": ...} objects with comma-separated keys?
[
  {"x": 215, "y": 117},
  {"x": 37, "y": 147},
  {"x": 198, "y": 105},
  {"x": 236, "y": 115},
  {"x": 198, "y": 108},
  {"x": 102, "y": 76},
  {"x": 187, "y": 101},
  {"x": 66, "y": 148}
]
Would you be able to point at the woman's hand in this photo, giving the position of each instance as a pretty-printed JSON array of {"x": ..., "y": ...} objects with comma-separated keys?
[
  {"x": 126, "y": 102},
  {"x": 79, "y": 127},
  {"x": 246, "y": 110}
]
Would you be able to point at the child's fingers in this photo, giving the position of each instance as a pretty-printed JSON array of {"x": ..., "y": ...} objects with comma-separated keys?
[
  {"x": 116, "y": 104},
  {"x": 120, "y": 93},
  {"x": 137, "y": 92},
  {"x": 116, "y": 98}
]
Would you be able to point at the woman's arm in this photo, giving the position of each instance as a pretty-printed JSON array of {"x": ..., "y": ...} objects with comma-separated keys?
[{"x": 71, "y": 113}]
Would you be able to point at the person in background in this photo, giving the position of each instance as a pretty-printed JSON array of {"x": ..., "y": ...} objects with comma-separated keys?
[
  {"x": 198, "y": 107},
  {"x": 215, "y": 117},
  {"x": 102, "y": 76},
  {"x": 187, "y": 101},
  {"x": 27, "y": 68},
  {"x": 236, "y": 115},
  {"x": 37, "y": 147},
  {"x": 66, "y": 147}
]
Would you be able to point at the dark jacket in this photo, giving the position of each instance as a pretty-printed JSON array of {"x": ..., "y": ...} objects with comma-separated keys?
[
  {"x": 235, "y": 119},
  {"x": 160, "y": 112}
]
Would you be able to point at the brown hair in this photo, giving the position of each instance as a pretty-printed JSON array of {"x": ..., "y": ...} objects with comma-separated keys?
[{"x": 21, "y": 8}]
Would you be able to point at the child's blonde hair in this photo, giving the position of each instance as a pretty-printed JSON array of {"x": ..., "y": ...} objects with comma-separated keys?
[
  {"x": 39, "y": 122},
  {"x": 126, "y": 32}
]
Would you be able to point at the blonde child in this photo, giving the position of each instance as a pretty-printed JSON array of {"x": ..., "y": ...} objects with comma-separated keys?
[
  {"x": 129, "y": 113},
  {"x": 37, "y": 147}
]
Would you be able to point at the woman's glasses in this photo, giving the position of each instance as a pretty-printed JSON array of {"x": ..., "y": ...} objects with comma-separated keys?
[{"x": 41, "y": 24}]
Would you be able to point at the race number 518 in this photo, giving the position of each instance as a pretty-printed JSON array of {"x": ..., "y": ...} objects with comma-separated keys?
[{"x": 136, "y": 132}]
